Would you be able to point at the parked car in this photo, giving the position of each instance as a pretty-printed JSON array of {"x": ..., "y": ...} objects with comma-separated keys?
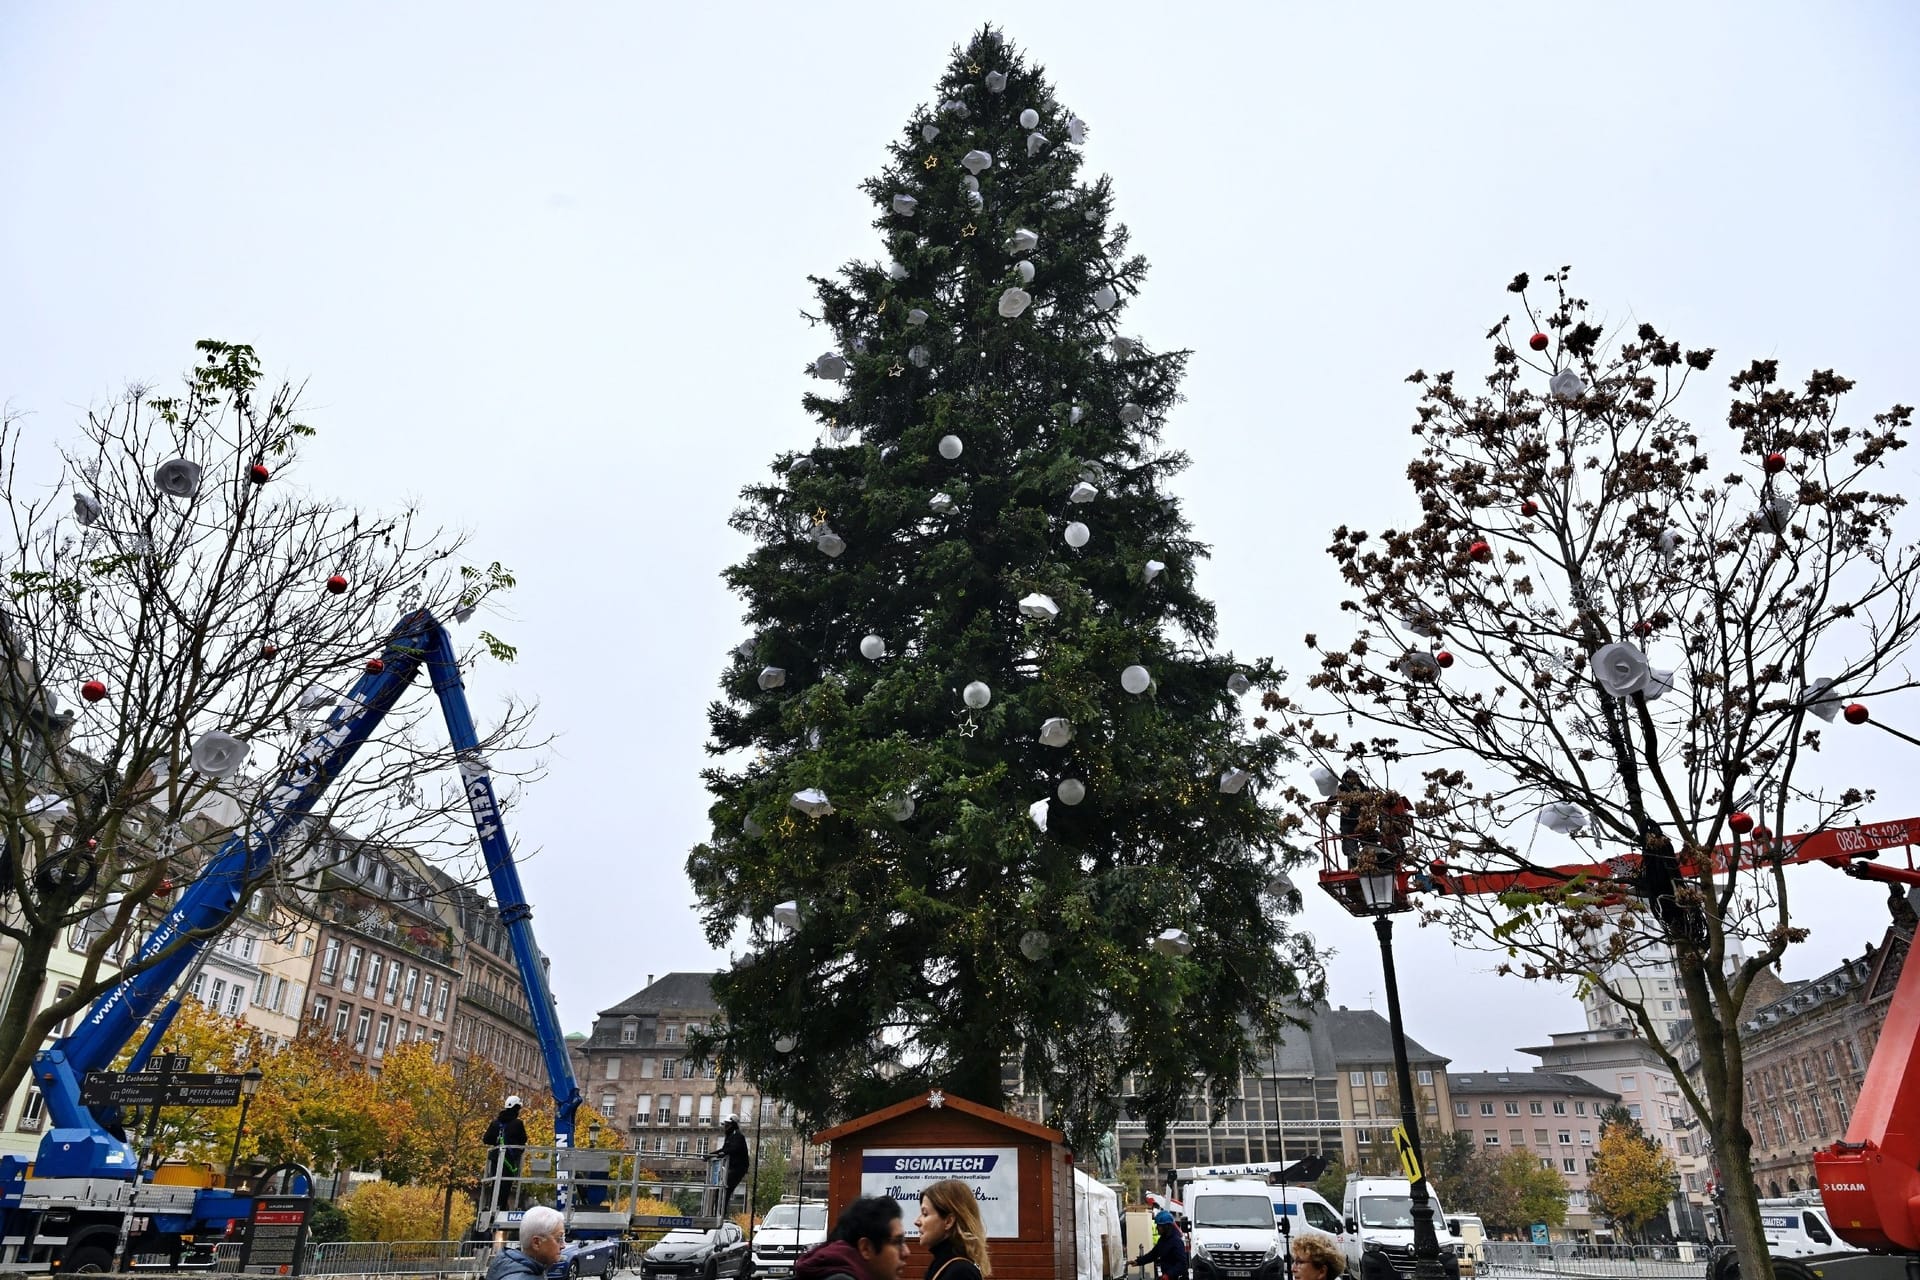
[
  {"x": 588, "y": 1258},
  {"x": 790, "y": 1229},
  {"x": 707, "y": 1255}
]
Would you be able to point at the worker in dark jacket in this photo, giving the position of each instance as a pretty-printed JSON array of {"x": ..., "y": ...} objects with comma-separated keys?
[
  {"x": 1169, "y": 1252},
  {"x": 505, "y": 1139},
  {"x": 734, "y": 1148}
]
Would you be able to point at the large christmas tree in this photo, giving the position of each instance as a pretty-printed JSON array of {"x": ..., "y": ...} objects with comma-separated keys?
[{"x": 991, "y": 798}]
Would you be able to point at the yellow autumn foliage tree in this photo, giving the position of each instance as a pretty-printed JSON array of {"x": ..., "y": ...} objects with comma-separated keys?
[
  {"x": 383, "y": 1210},
  {"x": 1632, "y": 1179}
]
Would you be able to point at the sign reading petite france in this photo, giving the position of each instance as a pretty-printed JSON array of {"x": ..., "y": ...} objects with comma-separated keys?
[{"x": 901, "y": 1174}]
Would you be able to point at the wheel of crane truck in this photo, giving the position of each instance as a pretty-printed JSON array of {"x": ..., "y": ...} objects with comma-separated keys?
[{"x": 90, "y": 1258}]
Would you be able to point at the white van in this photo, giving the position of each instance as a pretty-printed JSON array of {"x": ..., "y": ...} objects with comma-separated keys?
[
  {"x": 790, "y": 1229},
  {"x": 1798, "y": 1227},
  {"x": 1379, "y": 1212},
  {"x": 1235, "y": 1233},
  {"x": 1302, "y": 1211}
]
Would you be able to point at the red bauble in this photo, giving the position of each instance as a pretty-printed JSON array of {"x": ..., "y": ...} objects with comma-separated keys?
[
  {"x": 1538, "y": 342},
  {"x": 258, "y": 473},
  {"x": 1857, "y": 713},
  {"x": 376, "y": 666},
  {"x": 269, "y": 650},
  {"x": 1740, "y": 822},
  {"x": 336, "y": 584},
  {"x": 1444, "y": 658},
  {"x": 166, "y": 886},
  {"x": 1529, "y": 508},
  {"x": 1763, "y": 833},
  {"x": 1480, "y": 552},
  {"x": 93, "y": 690},
  {"x": 1643, "y": 628},
  {"x": 1775, "y": 463}
]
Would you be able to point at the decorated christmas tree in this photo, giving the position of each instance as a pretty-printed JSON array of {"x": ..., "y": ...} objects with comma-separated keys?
[{"x": 989, "y": 798}]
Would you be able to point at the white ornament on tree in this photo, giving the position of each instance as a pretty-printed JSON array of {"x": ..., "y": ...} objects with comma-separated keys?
[
  {"x": 86, "y": 509},
  {"x": 1037, "y": 812},
  {"x": 1324, "y": 780},
  {"x": 1034, "y": 944},
  {"x": 904, "y": 205},
  {"x": 177, "y": 478},
  {"x": 1023, "y": 241},
  {"x": 1024, "y": 270},
  {"x": 831, "y": 544},
  {"x": 1563, "y": 816},
  {"x": 773, "y": 677},
  {"x": 900, "y": 808},
  {"x": 1567, "y": 385},
  {"x": 1776, "y": 511},
  {"x": 996, "y": 82},
  {"x": 1621, "y": 668},
  {"x": 951, "y": 447},
  {"x": 1076, "y": 130},
  {"x": 1014, "y": 301},
  {"x": 1820, "y": 698},
  {"x": 1135, "y": 679},
  {"x": 976, "y": 161},
  {"x": 976, "y": 695},
  {"x": 217, "y": 754},
  {"x": 1036, "y": 143},
  {"x": 1038, "y": 607},
  {"x": 873, "y": 648},
  {"x": 830, "y": 365},
  {"x": 1132, "y": 414},
  {"x": 1071, "y": 791},
  {"x": 1077, "y": 535},
  {"x": 1105, "y": 297},
  {"x": 1237, "y": 683},
  {"x": 1056, "y": 731},
  {"x": 1173, "y": 942},
  {"x": 1152, "y": 570},
  {"x": 916, "y": 317},
  {"x": 929, "y": 131},
  {"x": 896, "y": 271},
  {"x": 941, "y": 503},
  {"x": 1029, "y": 119},
  {"x": 1123, "y": 347},
  {"x": 1082, "y": 492},
  {"x": 919, "y": 357},
  {"x": 813, "y": 802},
  {"x": 1234, "y": 781}
]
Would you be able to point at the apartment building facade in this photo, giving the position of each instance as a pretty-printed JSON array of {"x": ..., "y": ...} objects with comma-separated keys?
[
  {"x": 1367, "y": 1087},
  {"x": 491, "y": 1017},
  {"x": 1552, "y": 1116}
]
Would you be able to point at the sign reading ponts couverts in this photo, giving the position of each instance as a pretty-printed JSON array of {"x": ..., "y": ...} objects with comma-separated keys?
[{"x": 902, "y": 1173}]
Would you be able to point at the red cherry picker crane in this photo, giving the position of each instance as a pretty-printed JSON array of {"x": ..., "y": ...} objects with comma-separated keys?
[{"x": 1870, "y": 1180}]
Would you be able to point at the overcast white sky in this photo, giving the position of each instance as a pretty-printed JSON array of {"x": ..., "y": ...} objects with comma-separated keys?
[{"x": 544, "y": 265}]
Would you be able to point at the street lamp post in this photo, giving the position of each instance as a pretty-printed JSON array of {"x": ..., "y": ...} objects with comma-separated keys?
[
  {"x": 249, "y": 1085},
  {"x": 1382, "y": 897}
]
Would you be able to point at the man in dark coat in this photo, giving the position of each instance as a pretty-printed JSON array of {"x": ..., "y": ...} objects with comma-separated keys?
[
  {"x": 869, "y": 1243},
  {"x": 734, "y": 1148},
  {"x": 1169, "y": 1252},
  {"x": 505, "y": 1139}
]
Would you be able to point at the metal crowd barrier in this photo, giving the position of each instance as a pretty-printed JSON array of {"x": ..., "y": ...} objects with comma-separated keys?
[
  {"x": 380, "y": 1258},
  {"x": 1682, "y": 1261}
]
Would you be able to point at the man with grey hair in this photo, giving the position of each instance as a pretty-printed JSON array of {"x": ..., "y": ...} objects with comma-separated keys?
[{"x": 543, "y": 1234}]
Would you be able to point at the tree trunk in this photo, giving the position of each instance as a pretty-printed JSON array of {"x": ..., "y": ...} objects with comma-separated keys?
[
  {"x": 446, "y": 1212},
  {"x": 1725, "y": 1089},
  {"x": 30, "y": 969}
]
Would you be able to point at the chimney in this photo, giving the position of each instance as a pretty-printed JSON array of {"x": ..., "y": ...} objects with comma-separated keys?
[{"x": 649, "y": 979}]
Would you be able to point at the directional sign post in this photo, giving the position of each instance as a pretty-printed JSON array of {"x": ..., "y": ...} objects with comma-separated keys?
[
  {"x": 1409, "y": 1159},
  {"x": 159, "y": 1089}
]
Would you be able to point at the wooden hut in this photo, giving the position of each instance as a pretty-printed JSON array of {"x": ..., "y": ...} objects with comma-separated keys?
[{"x": 1021, "y": 1172}]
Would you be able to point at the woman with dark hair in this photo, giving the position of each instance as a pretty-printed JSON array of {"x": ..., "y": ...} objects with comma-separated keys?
[{"x": 950, "y": 1231}]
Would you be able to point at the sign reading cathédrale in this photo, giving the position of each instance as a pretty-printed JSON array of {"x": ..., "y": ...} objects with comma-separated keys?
[{"x": 901, "y": 1174}]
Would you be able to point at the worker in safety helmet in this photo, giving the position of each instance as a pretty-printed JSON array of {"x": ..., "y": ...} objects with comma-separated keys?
[
  {"x": 1169, "y": 1252},
  {"x": 505, "y": 1138},
  {"x": 733, "y": 1148}
]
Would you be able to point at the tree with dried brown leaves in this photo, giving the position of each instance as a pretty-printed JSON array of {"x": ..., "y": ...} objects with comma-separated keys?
[
  {"x": 1599, "y": 625},
  {"x": 164, "y": 578}
]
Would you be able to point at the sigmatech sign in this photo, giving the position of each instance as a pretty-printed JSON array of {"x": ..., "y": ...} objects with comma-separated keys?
[{"x": 902, "y": 1173}]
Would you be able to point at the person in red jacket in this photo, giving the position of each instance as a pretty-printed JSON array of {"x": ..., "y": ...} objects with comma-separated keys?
[{"x": 869, "y": 1242}]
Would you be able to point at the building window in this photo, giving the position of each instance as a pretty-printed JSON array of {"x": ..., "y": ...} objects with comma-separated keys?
[
  {"x": 1358, "y": 1079},
  {"x": 680, "y": 1146},
  {"x": 1559, "y": 1108},
  {"x": 1566, "y": 1137},
  {"x": 668, "y": 1067},
  {"x": 413, "y": 987},
  {"x": 393, "y": 981},
  {"x": 1423, "y": 1077},
  {"x": 1586, "y": 1137},
  {"x": 33, "y": 1114},
  {"x": 1513, "y": 1108},
  {"x": 613, "y": 1068},
  {"x": 1517, "y": 1137},
  {"x": 667, "y": 1034},
  {"x": 440, "y": 1004},
  {"x": 1536, "y": 1109},
  {"x": 706, "y": 1108},
  {"x": 219, "y": 991},
  {"x": 330, "y": 960},
  {"x": 199, "y": 985},
  {"x": 360, "y": 1029},
  {"x": 233, "y": 1000},
  {"x": 1462, "y": 1109},
  {"x": 374, "y": 966},
  {"x": 713, "y": 1070},
  {"x": 1363, "y": 1136},
  {"x": 1492, "y": 1137},
  {"x": 1579, "y": 1108},
  {"x": 1486, "y": 1108},
  {"x": 686, "y": 1108},
  {"x": 1629, "y": 1083},
  {"x": 630, "y": 1031},
  {"x": 608, "y": 1105},
  {"x": 1380, "y": 1078},
  {"x": 260, "y": 990},
  {"x": 354, "y": 958},
  {"x": 384, "y": 1036},
  {"x": 341, "y": 1020},
  {"x": 279, "y": 994},
  {"x": 1666, "y": 1006},
  {"x": 1633, "y": 1109},
  {"x": 320, "y": 1011},
  {"x": 1540, "y": 1137},
  {"x": 1853, "y": 1055}
]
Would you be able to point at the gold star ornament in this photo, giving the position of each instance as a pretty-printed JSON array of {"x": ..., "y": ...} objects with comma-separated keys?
[
  {"x": 895, "y": 369},
  {"x": 933, "y": 162},
  {"x": 967, "y": 230}
]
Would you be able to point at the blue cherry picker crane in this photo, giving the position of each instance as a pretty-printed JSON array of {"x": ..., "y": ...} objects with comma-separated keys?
[{"x": 85, "y": 1203}]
